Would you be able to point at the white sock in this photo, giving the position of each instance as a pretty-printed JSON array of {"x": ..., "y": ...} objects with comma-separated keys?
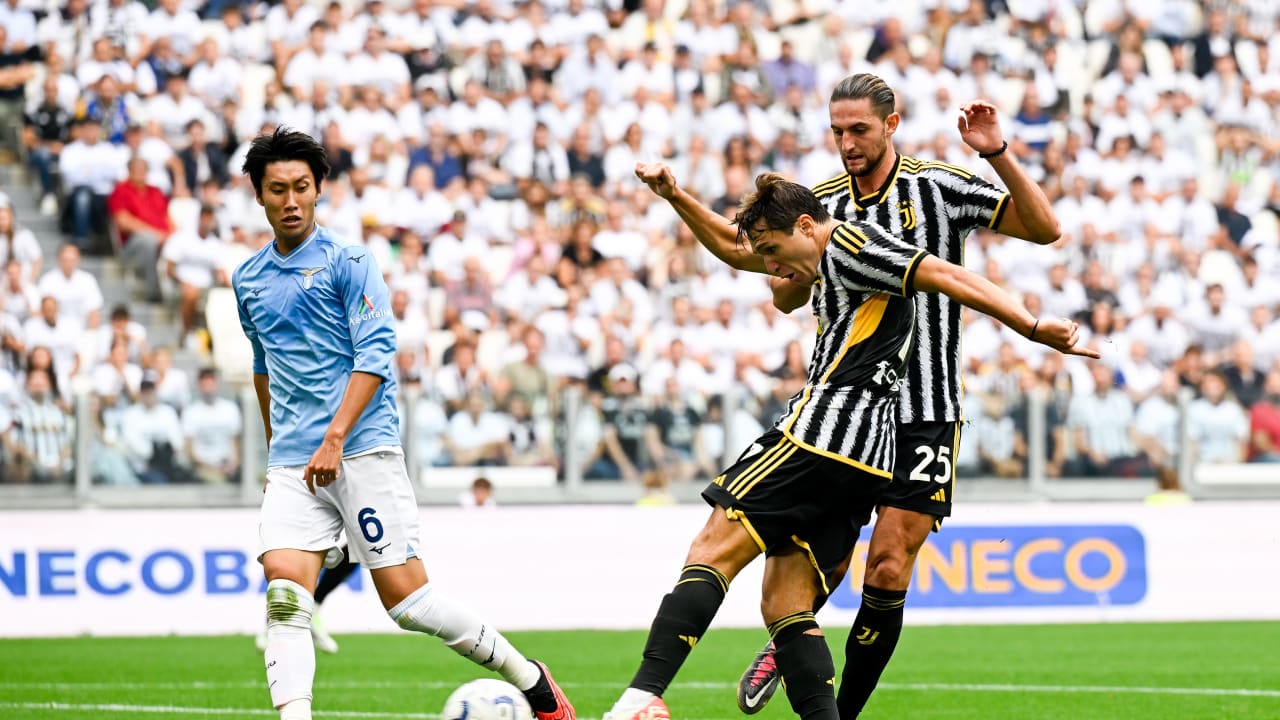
[
  {"x": 429, "y": 611},
  {"x": 296, "y": 710},
  {"x": 290, "y": 654},
  {"x": 632, "y": 698}
]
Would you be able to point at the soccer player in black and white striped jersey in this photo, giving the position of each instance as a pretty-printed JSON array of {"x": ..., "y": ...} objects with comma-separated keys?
[
  {"x": 804, "y": 489},
  {"x": 933, "y": 206}
]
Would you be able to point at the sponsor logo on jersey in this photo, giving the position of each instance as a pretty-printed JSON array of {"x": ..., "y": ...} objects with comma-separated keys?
[{"x": 367, "y": 311}]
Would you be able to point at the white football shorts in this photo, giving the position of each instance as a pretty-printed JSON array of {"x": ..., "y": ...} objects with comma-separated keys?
[{"x": 372, "y": 499}]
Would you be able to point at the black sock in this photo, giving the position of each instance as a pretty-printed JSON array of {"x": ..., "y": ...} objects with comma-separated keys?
[
  {"x": 804, "y": 660},
  {"x": 871, "y": 642},
  {"x": 541, "y": 697},
  {"x": 331, "y": 578},
  {"x": 683, "y": 616}
]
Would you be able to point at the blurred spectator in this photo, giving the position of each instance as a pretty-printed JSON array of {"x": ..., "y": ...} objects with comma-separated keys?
[
  {"x": 40, "y": 443},
  {"x": 57, "y": 334},
  {"x": 194, "y": 262},
  {"x": 479, "y": 495},
  {"x": 674, "y": 434},
  {"x": 211, "y": 425},
  {"x": 15, "y": 72},
  {"x": 430, "y": 424},
  {"x": 528, "y": 435},
  {"x": 625, "y": 446},
  {"x": 90, "y": 170},
  {"x": 1102, "y": 421},
  {"x": 477, "y": 435},
  {"x": 140, "y": 214},
  {"x": 1216, "y": 424},
  {"x": 1156, "y": 430},
  {"x": 995, "y": 440},
  {"x": 47, "y": 129},
  {"x": 201, "y": 161},
  {"x": 1241, "y": 374},
  {"x": 526, "y": 377},
  {"x": 116, "y": 379},
  {"x": 121, "y": 327},
  {"x": 173, "y": 385},
  {"x": 151, "y": 433},
  {"x": 1264, "y": 422},
  {"x": 19, "y": 244}
]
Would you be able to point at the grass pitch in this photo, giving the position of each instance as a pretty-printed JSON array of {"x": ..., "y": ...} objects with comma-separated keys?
[{"x": 1062, "y": 672}]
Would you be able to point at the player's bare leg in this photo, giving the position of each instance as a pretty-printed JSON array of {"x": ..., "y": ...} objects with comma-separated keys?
[
  {"x": 803, "y": 658},
  {"x": 891, "y": 559},
  {"x": 290, "y": 655},
  {"x": 415, "y": 605},
  {"x": 719, "y": 552}
]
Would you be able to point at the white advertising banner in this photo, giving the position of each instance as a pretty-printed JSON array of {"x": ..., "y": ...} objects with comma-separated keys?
[{"x": 158, "y": 572}]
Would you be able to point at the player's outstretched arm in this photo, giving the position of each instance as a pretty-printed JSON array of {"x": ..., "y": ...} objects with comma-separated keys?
[
  {"x": 979, "y": 293},
  {"x": 713, "y": 231},
  {"x": 1030, "y": 215}
]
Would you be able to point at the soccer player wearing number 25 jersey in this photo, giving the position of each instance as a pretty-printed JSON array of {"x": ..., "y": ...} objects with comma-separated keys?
[{"x": 317, "y": 313}]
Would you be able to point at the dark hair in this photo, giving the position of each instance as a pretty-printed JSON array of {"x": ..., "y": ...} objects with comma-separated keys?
[
  {"x": 120, "y": 312},
  {"x": 281, "y": 146},
  {"x": 779, "y": 202},
  {"x": 207, "y": 372},
  {"x": 31, "y": 368},
  {"x": 871, "y": 87}
]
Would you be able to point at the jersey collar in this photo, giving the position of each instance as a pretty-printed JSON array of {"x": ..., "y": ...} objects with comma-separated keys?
[
  {"x": 275, "y": 251},
  {"x": 866, "y": 201}
]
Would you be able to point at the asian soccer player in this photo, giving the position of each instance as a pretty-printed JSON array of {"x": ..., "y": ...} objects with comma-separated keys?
[{"x": 317, "y": 313}]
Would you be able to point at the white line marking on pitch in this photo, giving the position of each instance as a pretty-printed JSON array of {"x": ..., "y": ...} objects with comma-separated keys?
[
  {"x": 173, "y": 710},
  {"x": 443, "y": 685}
]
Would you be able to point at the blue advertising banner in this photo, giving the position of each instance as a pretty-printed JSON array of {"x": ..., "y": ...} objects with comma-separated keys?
[{"x": 1019, "y": 566}]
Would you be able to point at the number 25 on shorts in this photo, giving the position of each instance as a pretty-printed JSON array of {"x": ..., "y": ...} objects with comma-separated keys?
[{"x": 928, "y": 456}]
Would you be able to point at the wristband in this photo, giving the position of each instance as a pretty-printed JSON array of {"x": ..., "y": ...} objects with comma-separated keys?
[
  {"x": 987, "y": 156},
  {"x": 1032, "y": 335}
]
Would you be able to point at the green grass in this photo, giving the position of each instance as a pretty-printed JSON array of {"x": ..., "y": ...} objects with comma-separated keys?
[{"x": 1062, "y": 672}]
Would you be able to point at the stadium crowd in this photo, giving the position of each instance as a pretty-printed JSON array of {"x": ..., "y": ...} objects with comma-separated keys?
[{"x": 484, "y": 152}]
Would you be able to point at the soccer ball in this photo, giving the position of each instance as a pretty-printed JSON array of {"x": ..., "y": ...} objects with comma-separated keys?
[{"x": 487, "y": 699}]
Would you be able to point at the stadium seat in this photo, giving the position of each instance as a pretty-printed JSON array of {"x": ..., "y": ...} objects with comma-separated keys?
[
  {"x": 232, "y": 353},
  {"x": 491, "y": 351},
  {"x": 498, "y": 263},
  {"x": 1159, "y": 60},
  {"x": 184, "y": 212},
  {"x": 437, "y": 342},
  {"x": 253, "y": 84}
]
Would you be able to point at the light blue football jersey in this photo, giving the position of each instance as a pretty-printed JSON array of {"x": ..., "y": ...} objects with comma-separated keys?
[{"x": 314, "y": 316}]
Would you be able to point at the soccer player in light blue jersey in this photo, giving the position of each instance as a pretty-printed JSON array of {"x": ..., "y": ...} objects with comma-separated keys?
[{"x": 317, "y": 313}]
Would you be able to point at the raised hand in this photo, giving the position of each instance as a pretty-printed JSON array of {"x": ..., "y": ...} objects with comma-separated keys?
[
  {"x": 658, "y": 177},
  {"x": 1062, "y": 335},
  {"x": 979, "y": 126}
]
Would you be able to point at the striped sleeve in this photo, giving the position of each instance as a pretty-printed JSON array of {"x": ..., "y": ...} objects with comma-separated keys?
[
  {"x": 970, "y": 201},
  {"x": 870, "y": 259}
]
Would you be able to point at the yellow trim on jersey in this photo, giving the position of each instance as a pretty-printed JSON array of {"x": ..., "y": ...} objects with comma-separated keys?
[
  {"x": 777, "y": 464},
  {"x": 852, "y": 239},
  {"x": 830, "y": 185},
  {"x": 739, "y": 516},
  {"x": 839, "y": 458},
  {"x": 765, "y": 458},
  {"x": 869, "y": 315},
  {"x": 999, "y": 212},
  {"x": 882, "y": 191},
  {"x": 911, "y": 270},
  {"x": 813, "y": 560}
]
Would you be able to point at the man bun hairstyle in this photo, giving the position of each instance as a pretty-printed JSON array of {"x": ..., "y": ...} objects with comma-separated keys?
[
  {"x": 871, "y": 87},
  {"x": 284, "y": 145},
  {"x": 779, "y": 202}
]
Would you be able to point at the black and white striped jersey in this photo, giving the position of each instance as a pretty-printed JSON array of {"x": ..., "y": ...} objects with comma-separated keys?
[
  {"x": 933, "y": 206},
  {"x": 862, "y": 300}
]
